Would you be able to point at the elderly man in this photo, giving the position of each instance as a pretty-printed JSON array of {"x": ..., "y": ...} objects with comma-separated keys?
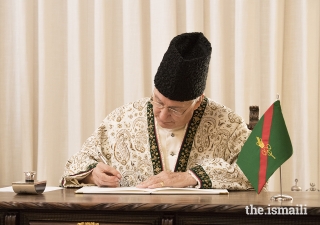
[{"x": 177, "y": 137}]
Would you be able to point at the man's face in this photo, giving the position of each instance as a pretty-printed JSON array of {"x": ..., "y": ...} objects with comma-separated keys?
[{"x": 174, "y": 114}]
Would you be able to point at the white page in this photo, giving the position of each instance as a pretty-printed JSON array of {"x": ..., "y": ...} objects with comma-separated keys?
[{"x": 134, "y": 190}]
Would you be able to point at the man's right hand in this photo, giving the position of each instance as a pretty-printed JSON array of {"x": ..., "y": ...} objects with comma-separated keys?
[{"x": 103, "y": 176}]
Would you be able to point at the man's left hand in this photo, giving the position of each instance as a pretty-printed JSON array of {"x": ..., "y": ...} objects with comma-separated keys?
[{"x": 169, "y": 179}]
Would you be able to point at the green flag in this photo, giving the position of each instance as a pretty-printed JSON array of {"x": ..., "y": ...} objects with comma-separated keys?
[{"x": 266, "y": 149}]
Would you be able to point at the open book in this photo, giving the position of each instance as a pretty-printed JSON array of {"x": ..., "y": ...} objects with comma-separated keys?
[{"x": 139, "y": 191}]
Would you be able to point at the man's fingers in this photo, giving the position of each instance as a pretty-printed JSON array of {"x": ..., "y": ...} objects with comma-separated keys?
[
  {"x": 160, "y": 180},
  {"x": 168, "y": 179},
  {"x": 104, "y": 175},
  {"x": 104, "y": 168},
  {"x": 104, "y": 180}
]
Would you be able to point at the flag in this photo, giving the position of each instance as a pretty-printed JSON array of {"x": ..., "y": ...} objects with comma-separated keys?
[{"x": 266, "y": 149}]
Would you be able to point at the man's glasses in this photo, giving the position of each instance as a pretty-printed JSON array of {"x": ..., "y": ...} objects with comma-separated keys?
[{"x": 176, "y": 112}]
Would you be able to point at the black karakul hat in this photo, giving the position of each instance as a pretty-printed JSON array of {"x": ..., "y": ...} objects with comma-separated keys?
[{"x": 183, "y": 72}]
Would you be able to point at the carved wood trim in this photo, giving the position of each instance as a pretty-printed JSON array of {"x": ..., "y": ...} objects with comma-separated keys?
[{"x": 253, "y": 116}]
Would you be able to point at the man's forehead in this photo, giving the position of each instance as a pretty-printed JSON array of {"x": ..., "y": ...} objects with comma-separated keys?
[{"x": 162, "y": 98}]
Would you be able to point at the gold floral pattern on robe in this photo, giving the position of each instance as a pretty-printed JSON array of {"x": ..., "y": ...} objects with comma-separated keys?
[{"x": 127, "y": 137}]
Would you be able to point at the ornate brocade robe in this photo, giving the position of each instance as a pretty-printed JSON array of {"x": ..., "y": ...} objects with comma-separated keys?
[{"x": 127, "y": 138}]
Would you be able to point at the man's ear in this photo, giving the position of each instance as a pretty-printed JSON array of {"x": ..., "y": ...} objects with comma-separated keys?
[{"x": 198, "y": 103}]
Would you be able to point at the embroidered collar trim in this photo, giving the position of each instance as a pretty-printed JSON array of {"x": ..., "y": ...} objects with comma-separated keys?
[{"x": 187, "y": 143}]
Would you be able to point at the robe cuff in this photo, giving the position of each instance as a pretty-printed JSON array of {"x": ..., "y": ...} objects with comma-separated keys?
[
  {"x": 201, "y": 176},
  {"x": 75, "y": 180}
]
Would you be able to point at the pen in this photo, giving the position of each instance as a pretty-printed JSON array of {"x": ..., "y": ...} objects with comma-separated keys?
[{"x": 104, "y": 160}]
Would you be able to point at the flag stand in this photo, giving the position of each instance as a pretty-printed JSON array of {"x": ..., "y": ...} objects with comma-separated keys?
[{"x": 281, "y": 197}]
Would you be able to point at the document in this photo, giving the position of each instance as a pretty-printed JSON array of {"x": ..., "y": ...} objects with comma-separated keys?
[{"x": 158, "y": 191}]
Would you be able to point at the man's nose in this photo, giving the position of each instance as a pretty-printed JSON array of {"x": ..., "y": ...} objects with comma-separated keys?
[{"x": 164, "y": 113}]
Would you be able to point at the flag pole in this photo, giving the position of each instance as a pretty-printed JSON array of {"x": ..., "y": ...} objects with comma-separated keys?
[{"x": 281, "y": 197}]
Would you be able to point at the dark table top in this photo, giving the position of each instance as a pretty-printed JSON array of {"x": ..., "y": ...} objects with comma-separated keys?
[{"x": 234, "y": 202}]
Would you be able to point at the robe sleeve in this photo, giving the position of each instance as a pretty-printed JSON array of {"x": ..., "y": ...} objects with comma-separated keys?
[
  {"x": 82, "y": 163},
  {"x": 224, "y": 172}
]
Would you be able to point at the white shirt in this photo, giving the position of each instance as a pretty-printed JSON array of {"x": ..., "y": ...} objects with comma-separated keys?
[{"x": 169, "y": 141}]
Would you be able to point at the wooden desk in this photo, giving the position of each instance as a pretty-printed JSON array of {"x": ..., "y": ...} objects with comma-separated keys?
[{"x": 65, "y": 207}]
